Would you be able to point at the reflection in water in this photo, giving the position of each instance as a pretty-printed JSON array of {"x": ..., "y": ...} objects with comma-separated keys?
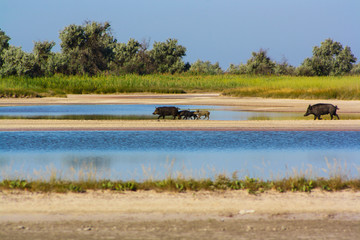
[
  {"x": 81, "y": 162},
  {"x": 144, "y": 165}
]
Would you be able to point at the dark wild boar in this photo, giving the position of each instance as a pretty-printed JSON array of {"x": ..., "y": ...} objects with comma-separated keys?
[
  {"x": 166, "y": 111},
  {"x": 322, "y": 109},
  {"x": 186, "y": 114}
]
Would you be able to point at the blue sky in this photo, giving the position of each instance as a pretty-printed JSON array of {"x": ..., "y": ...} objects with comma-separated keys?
[{"x": 224, "y": 31}]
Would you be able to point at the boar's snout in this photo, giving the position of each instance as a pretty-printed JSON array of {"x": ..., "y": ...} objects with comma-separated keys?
[{"x": 308, "y": 111}]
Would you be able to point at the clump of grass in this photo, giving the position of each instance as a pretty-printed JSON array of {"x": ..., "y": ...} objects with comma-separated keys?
[{"x": 294, "y": 184}]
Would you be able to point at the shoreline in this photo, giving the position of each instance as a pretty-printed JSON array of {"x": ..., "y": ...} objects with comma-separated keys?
[
  {"x": 239, "y": 104},
  {"x": 178, "y": 125}
]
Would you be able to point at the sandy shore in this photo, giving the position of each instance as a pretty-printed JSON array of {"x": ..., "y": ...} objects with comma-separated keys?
[
  {"x": 178, "y": 125},
  {"x": 245, "y": 104},
  {"x": 191, "y": 215},
  {"x": 315, "y": 205}
]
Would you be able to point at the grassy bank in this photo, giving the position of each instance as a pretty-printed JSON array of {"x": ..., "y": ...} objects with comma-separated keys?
[
  {"x": 221, "y": 182},
  {"x": 87, "y": 178},
  {"x": 344, "y": 87}
]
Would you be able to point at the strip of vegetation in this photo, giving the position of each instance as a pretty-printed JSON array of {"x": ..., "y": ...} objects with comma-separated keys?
[
  {"x": 330, "y": 87},
  {"x": 221, "y": 182}
]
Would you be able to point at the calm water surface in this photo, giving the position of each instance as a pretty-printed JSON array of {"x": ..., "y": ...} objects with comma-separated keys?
[
  {"x": 216, "y": 112},
  {"x": 125, "y": 154}
]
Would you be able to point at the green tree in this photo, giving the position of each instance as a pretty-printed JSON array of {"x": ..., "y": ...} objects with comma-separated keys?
[
  {"x": 57, "y": 63},
  {"x": 11, "y": 61},
  {"x": 200, "y": 67},
  {"x": 167, "y": 56},
  {"x": 42, "y": 50},
  {"x": 4, "y": 44},
  {"x": 18, "y": 62},
  {"x": 237, "y": 69},
  {"x": 356, "y": 69},
  {"x": 260, "y": 63},
  {"x": 42, "y": 53},
  {"x": 284, "y": 68},
  {"x": 89, "y": 48},
  {"x": 126, "y": 52},
  {"x": 330, "y": 59},
  {"x": 127, "y": 57}
]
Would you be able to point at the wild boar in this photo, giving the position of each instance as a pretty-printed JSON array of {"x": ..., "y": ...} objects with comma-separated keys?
[
  {"x": 166, "y": 111},
  {"x": 186, "y": 114},
  {"x": 202, "y": 113},
  {"x": 322, "y": 109}
]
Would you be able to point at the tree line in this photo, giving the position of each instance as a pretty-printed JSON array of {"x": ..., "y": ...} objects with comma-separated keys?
[{"x": 91, "y": 49}]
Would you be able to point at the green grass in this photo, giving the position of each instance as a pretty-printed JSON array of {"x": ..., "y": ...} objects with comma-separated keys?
[
  {"x": 342, "y": 87},
  {"x": 87, "y": 179},
  {"x": 221, "y": 182}
]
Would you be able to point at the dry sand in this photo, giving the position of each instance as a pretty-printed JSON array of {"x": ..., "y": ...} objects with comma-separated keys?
[{"x": 191, "y": 215}]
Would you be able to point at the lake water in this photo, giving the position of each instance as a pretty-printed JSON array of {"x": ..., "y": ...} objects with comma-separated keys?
[
  {"x": 216, "y": 112},
  {"x": 143, "y": 154}
]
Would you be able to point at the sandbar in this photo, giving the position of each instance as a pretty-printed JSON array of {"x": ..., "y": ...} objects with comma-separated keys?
[{"x": 241, "y": 104}]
